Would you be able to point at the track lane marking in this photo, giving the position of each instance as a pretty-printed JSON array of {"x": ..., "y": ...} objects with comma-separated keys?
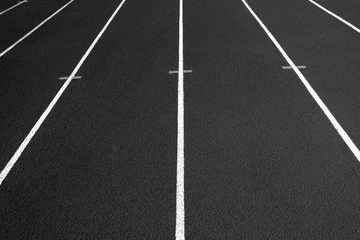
[
  {"x": 75, "y": 77},
  {"x": 19, "y": 3},
  {"x": 176, "y": 71},
  {"x": 289, "y": 67},
  {"x": 38, "y": 124},
  {"x": 335, "y": 16},
  {"x": 312, "y": 92},
  {"x": 34, "y": 29},
  {"x": 180, "y": 206}
]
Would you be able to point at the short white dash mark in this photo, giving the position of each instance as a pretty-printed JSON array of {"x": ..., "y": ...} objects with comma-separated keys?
[
  {"x": 289, "y": 67},
  {"x": 66, "y": 78},
  {"x": 47, "y": 111},
  {"x": 307, "y": 85},
  {"x": 176, "y": 71}
]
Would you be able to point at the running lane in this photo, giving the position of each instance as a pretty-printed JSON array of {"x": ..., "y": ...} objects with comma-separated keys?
[
  {"x": 7, "y": 6},
  {"x": 261, "y": 159},
  {"x": 30, "y": 72},
  {"x": 330, "y": 50},
  {"x": 20, "y": 20},
  {"x": 347, "y": 9},
  {"x": 103, "y": 165}
]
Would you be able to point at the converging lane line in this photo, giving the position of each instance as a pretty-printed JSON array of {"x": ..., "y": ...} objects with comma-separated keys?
[
  {"x": 312, "y": 92},
  {"x": 180, "y": 207},
  {"x": 335, "y": 16},
  {"x": 38, "y": 124},
  {"x": 34, "y": 29},
  {"x": 19, "y": 3}
]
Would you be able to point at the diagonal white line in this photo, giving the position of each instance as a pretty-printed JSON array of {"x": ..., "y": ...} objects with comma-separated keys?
[
  {"x": 34, "y": 29},
  {"x": 19, "y": 3},
  {"x": 335, "y": 16},
  {"x": 180, "y": 207},
  {"x": 312, "y": 92},
  {"x": 38, "y": 124}
]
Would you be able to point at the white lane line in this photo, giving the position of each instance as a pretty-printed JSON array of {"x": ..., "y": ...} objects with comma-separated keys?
[
  {"x": 34, "y": 29},
  {"x": 176, "y": 71},
  {"x": 289, "y": 67},
  {"x": 66, "y": 78},
  {"x": 19, "y": 3},
  {"x": 180, "y": 197},
  {"x": 312, "y": 92},
  {"x": 38, "y": 124},
  {"x": 335, "y": 16}
]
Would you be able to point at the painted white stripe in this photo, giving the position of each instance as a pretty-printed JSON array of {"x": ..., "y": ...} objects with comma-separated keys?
[
  {"x": 335, "y": 16},
  {"x": 34, "y": 29},
  {"x": 312, "y": 92},
  {"x": 38, "y": 124},
  {"x": 66, "y": 78},
  {"x": 180, "y": 197},
  {"x": 19, "y": 3},
  {"x": 289, "y": 67},
  {"x": 176, "y": 71}
]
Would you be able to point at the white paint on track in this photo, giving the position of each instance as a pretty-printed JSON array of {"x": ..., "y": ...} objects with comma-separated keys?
[
  {"x": 176, "y": 71},
  {"x": 38, "y": 124},
  {"x": 19, "y": 3},
  {"x": 34, "y": 29},
  {"x": 289, "y": 67},
  {"x": 312, "y": 92},
  {"x": 180, "y": 196},
  {"x": 335, "y": 16},
  {"x": 66, "y": 78}
]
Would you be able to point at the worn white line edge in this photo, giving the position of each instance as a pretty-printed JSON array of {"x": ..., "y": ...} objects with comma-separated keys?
[
  {"x": 312, "y": 92},
  {"x": 34, "y": 29},
  {"x": 335, "y": 16},
  {"x": 19, "y": 3},
  {"x": 38, "y": 124},
  {"x": 180, "y": 207}
]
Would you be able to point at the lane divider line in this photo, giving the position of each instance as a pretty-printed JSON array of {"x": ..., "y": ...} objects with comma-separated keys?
[
  {"x": 312, "y": 92},
  {"x": 34, "y": 29},
  {"x": 38, "y": 124},
  {"x": 335, "y": 16},
  {"x": 19, "y": 3},
  {"x": 180, "y": 195},
  {"x": 176, "y": 71},
  {"x": 289, "y": 67}
]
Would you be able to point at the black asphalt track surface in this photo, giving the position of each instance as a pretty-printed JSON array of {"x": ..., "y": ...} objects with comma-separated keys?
[
  {"x": 5, "y": 4},
  {"x": 31, "y": 70},
  {"x": 262, "y": 161},
  {"x": 102, "y": 165},
  {"x": 17, "y": 22}
]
